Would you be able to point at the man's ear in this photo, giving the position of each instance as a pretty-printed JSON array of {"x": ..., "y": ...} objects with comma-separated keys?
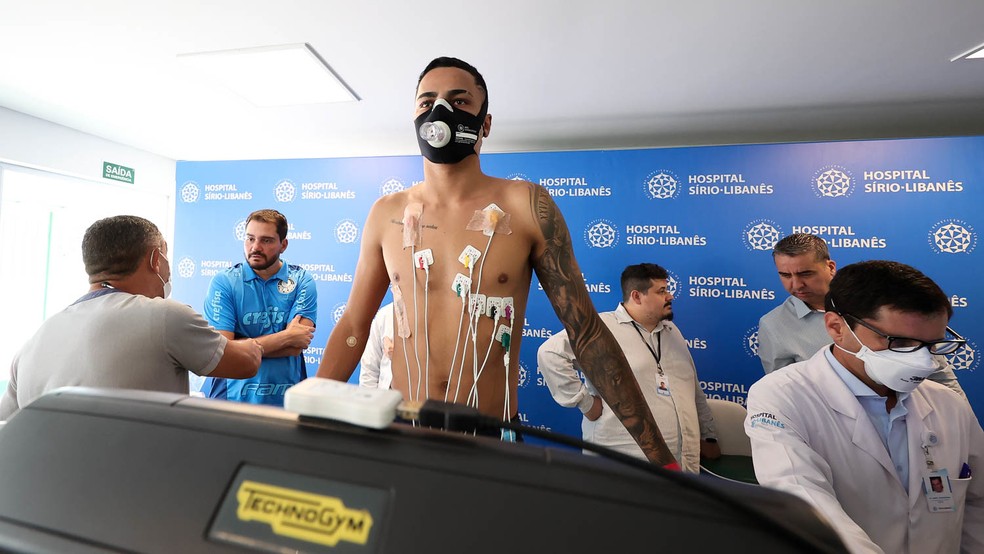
[
  {"x": 154, "y": 261},
  {"x": 283, "y": 246},
  {"x": 835, "y": 325},
  {"x": 487, "y": 125}
]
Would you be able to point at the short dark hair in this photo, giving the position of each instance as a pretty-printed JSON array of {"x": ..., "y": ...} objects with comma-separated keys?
[
  {"x": 113, "y": 247},
  {"x": 639, "y": 277},
  {"x": 802, "y": 243},
  {"x": 271, "y": 216},
  {"x": 445, "y": 61},
  {"x": 862, "y": 288}
]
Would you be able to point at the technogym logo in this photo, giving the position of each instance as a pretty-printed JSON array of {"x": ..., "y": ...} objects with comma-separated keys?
[
  {"x": 601, "y": 233},
  {"x": 662, "y": 185},
  {"x": 284, "y": 191},
  {"x": 965, "y": 358},
  {"x": 751, "y": 342},
  {"x": 761, "y": 234},
  {"x": 833, "y": 181},
  {"x": 186, "y": 267},
  {"x": 952, "y": 236},
  {"x": 190, "y": 192},
  {"x": 346, "y": 232},
  {"x": 390, "y": 186}
]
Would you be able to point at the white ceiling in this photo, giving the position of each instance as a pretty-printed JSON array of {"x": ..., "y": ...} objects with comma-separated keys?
[{"x": 563, "y": 74}]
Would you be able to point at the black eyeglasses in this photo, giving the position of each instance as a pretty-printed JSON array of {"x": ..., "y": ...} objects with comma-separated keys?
[{"x": 905, "y": 344}]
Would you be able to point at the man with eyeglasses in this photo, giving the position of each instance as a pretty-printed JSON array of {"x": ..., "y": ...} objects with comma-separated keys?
[
  {"x": 794, "y": 330},
  {"x": 860, "y": 433}
]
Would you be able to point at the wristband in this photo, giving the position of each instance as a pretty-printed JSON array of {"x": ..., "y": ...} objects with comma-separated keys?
[{"x": 672, "y": 467}]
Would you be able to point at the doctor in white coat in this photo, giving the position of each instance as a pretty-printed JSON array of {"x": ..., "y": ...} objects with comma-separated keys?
[{"x": 857, "y": 431}]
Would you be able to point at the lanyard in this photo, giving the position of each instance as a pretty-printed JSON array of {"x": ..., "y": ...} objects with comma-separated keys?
[{"x": 657, "y": 354}]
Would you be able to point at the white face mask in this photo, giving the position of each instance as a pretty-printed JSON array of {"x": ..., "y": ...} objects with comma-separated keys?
[
  {"x": 167, "y": 284},
  {"x": 899, "y": 371}
]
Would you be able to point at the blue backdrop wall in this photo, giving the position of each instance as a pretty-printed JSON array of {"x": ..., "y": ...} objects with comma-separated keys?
[{"x": 710, "y": 215}]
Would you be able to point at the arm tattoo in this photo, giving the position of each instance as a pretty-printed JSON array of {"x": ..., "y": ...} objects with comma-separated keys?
[{"x": 596, "y": 350}]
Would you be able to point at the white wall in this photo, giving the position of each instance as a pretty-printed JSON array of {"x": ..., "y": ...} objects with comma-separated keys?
[{"x": 36, "y": 143}]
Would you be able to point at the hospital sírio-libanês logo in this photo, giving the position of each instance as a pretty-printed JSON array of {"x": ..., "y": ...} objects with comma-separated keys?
[
  {"x": 390, "y": 186},
  {"x": 952, "y": 236},
  {"x": 518, "y": 177},
  {"x": 190, "y": 192},
  {"x": 672, "y": 283},
  {"x": 761, "y": 234},
  {"x": 750, "y": 342},
  {"x": 186, "y": 267},
  {"x": 524, "y": 376},
  {"x": 337, "y": 311},
  {"x": 601, "y": 233},
  {"x": 284, "y": 191},
  {"x": 833, "y": 181},
  {"x": 239, "y": 230},
  {"x": 346, "y": 232},
  {"x": 964, "y": 359},
  {"x": 662, "y": 185}
]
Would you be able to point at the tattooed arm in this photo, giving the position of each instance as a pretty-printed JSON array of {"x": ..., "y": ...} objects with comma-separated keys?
[{"x": 597, "y": 352}]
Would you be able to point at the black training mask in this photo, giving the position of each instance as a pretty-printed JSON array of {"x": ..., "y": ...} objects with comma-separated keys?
[{"x": 446, "y": 135}]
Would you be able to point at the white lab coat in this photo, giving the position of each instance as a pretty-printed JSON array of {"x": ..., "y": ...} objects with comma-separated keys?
[{"x": 811, "y": 437}]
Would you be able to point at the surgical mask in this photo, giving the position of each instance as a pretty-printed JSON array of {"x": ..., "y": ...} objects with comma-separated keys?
[
  {"x": 167, "y": 284},
  {"x": 899, "y": 371},
  {"x": 446, "y": 135}
]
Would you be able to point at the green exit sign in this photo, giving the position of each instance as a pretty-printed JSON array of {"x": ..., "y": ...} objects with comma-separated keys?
[{"x": 117, "y": 172}]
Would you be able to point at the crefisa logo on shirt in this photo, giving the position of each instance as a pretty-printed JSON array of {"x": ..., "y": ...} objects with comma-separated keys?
[
  {"x": 284, "y": 191},
  {"x": 833, "y": 181},
  {"x": 952, "y": 236},
  {"x": 751, "y": 342},
  {"x": 761, "y": 234},
  {"x": 601, "y": 233},
  {"x": 964, "y": 359},
  {"x": 346, "y": 232},
  {"x": 662, "y": 185},
  {"x": 186, "y": 267},
  {"x": 390, "y": 186},
  {"x": 190, "y": 192}
]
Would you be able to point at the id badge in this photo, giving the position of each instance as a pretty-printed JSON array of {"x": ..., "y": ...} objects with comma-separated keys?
[
  {"x": 663, "y": 387},
  {"x": 939, "y": 495}
]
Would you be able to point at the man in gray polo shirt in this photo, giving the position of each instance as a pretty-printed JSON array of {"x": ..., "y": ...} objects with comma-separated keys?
[
  {"x": 794, "y": 331},
  {"x": 124, "y": 332}
]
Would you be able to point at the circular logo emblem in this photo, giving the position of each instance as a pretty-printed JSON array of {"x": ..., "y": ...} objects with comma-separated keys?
[
  {"x": 662, "y": 184},
  {"x": 952, "y": 236},
  {"x": 964, "y": 359},
  {"x": 761, "y": 234},
  {"x": 286, "y": 287},
  {"x": 523, "y": 375},
  {"x": 390, "y": 186},
  {"x": 284, "y": 191},
  {"x": 601, "y": 233},
  {"x": 833, "y": 181},
  {"x": 240, "y": 230},
  {"x": 190, "y": 192},
  {"x": 751, "y": 342},
  {"x": 186, "y": 267},
  {"x": 672, "y": 283},
  {"x": 346, "y": 232},
  {"x": 337, "y": 311}
]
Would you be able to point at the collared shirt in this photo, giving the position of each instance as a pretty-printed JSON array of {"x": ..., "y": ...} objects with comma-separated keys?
[
  {"x": 682, "y": 415},
  {"x": 791, "y": 332},
  {"x": 891, "y": 426},
  {"x": 376, "y": 366}
]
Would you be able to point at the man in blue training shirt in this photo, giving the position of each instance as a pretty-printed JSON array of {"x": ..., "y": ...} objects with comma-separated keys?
[{"x": 268, "y": 300}]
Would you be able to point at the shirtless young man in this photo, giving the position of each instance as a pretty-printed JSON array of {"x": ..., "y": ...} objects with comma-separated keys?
[{"x": 494, "y": 233}]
